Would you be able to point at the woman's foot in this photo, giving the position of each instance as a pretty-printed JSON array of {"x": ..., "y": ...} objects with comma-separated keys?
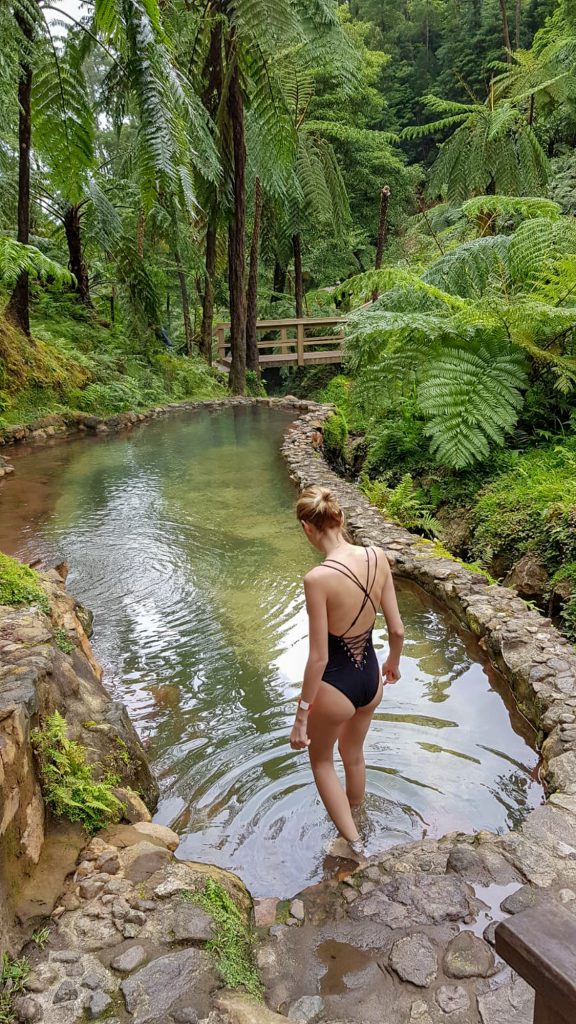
[{"x": 346, "y": 850}]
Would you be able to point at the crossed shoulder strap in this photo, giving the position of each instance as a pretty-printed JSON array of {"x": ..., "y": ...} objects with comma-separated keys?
[{"x": 366, "y": 588}]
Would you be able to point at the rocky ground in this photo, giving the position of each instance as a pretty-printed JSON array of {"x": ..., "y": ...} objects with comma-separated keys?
[{"x": 126, "y": 943}]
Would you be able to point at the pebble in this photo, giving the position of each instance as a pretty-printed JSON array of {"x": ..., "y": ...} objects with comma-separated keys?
[
  {"x": 452, "y": 998},
  {"x": 297, "y": 910}
]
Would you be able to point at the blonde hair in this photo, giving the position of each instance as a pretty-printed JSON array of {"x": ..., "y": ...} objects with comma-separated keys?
[{"x": 318, "y": 506}]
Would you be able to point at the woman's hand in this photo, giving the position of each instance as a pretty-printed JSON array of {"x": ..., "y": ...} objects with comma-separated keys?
[
  {"x": 298, "y": 737},
  {"x": 390, "y": 672}
]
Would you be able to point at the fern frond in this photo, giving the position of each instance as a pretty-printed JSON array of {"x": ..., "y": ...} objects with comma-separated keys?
[{"x": 16, "y": 258}]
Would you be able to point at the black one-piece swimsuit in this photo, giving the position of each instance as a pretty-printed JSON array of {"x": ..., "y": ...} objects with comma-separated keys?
[{"x": 352, "y": 665}]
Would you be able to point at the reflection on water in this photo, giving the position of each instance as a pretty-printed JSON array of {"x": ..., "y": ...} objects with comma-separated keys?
[{"x": 181, "y": 538}]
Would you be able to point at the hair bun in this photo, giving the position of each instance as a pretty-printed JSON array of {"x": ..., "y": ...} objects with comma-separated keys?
[{"x": 319, "y": 506}]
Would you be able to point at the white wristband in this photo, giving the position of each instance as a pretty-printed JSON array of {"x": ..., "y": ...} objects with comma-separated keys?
[{"x": 304, "y": 705}]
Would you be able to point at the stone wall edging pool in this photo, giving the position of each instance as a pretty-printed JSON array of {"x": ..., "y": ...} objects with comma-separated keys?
[{"x": 538, "y": 663}]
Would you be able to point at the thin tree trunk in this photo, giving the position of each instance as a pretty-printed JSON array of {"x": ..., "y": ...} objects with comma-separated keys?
[
  {"x": 252, "y": 360},
  {"x": 113, "y": 304},
  {"x": 279, "y": 285},
  {"x": 185, "y": 303},
  {"x": 518, "y": 14},
  {"x": 505, "y": 30},
  {"x": 236, "y": 237},
  {"x": 208, "y": 295},
  {"x": 382, "y": 231},
  {"x": 298, "y": 286},
  {"x": 18, "y": 308},
  {"x": 72, "y": 229}
]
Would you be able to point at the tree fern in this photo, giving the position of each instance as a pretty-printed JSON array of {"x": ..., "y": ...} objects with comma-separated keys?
[
  {"x": 16, "y": 258},
  {"x": 471, "y": 397}
]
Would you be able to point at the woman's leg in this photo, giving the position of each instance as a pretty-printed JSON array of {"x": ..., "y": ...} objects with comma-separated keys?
[
  {"x": 351, "y": 746},
  {"x": 331, "y": 710}
]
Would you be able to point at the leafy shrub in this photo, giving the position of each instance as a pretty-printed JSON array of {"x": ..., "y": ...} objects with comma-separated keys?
[
  {"x": 232, "y": 945},
  {"x": 335, "y": 434},
  {"x": 63, "y": 641},
  {"x": 255, "y": 385},
  {"x": 67, "y": 781},
  {"x": 567, "y": 574},
  {"x": 402, "y": 504},
  {"x": 19, "y": 584},
  {"x": 397, "y": 444}
]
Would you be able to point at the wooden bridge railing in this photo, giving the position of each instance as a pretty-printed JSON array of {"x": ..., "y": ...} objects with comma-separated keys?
[
  {"x": 540, "y": 945},
  {"x": 298, "y": 342}
]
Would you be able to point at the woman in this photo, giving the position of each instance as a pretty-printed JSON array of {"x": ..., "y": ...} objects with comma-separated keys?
[{"x": 342, "y": 685}]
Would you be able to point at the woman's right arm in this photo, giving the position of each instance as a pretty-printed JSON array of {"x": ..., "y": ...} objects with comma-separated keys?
[{"x": 389, "y": 606}]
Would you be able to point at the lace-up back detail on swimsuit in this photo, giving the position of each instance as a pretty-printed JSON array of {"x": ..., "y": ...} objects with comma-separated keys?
[{"x": 352, "y": 665}]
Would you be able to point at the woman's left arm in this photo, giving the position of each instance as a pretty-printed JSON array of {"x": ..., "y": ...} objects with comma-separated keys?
[{"x": 317, "y": 657}]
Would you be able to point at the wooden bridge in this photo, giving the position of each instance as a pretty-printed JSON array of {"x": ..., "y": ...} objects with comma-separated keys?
[{"x": 299, "y": 342}]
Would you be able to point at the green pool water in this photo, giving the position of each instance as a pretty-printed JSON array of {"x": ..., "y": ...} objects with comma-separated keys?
[{"x": 181, "y": 538}]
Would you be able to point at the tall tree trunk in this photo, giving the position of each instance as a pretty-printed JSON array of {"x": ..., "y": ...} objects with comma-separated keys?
[
  {"x": 505, "y": 29},
  {"x": 382, "y": 231},
  {"x": 208, "y": 295},
  {"x": 76, "y": 264},
  {"x": 18, "y": 308},
  {"x": 185, "y": 303},
  {"x": 279, "y": 285},
  {"x": 236, "y": 237},
  {"x": 298, "y": 286},
  {"x": 252, "y": 361},
  {"x": 518, "y": 18},
  {"x": 211, "y": 99}
]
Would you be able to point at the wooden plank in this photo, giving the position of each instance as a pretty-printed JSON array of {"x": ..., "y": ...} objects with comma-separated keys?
[
  {"x": 327, "y": 339},
  {"x": 325, "y": 321},
  {"x": 220, "y": 330},
  {"x": 300, "y": 344},
  {"x": 540, "y": 945}
]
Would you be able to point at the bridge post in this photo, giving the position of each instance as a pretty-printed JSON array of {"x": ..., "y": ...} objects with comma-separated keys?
[
  {"x": 300, "y": 344},
  {"x": 540, "y": 945},
  {"x": 221, "y": 342}
]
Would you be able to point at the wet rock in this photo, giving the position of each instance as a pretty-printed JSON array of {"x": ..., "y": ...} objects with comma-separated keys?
[
  {"x": 27, "y": 1009},
  {"x": 452, "y": 998},
  {"x": 467, "y": 956},
  {"x": 186, "y": 1016},
  {"x": 143, "y": 860},
  {"x": 528, "y": 577},
  {"x": 97, "y": 1003},
  {"x": 525, "y": 897},
  {"x": 122, "y": 836},
  {"x": 512, "y": 1003},
  {"x": 192, "y": 924},
  {"x": 265, "y": 912},
  {"x": 463, "y": 860},
  {"x": 414, "y": 959},
  {"x": 154, "y": 989},
  {"x": 489, "y": 933},
  {"x": 65, "y": 992},
  {"x": 297, "y": 910},
  {"x": 243, "y": 1009},
  {"x": 134, "y": 807},
  {"x": 129, "y": 960},
  {"x": 307, "y": 1009},
  {"x": 415, "y": 898}
]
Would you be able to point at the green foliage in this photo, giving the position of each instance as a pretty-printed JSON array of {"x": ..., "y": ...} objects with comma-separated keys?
[
  {"x": 232, "y": 945},
  {"x": 566, "y": 575},
  {"x": 403, "y": 504},
  {"x": 255, "y": 384},
  {"x": 19, "y": 584},
  {"x": 40, "y": 936},
  {"x": 63, "y": 641},
  {"x": 13, "y": 974},
  {"x": 16, "y": 258},
  {"x": 530, "y": 507},
  {"x": 335, "y": 436},
  {"x": 68, "y": 785}
]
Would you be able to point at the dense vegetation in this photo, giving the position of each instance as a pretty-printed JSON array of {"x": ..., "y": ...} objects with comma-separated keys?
[{"x": 164, "y": 166}]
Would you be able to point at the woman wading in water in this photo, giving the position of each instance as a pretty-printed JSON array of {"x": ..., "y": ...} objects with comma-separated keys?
[{"x": 342, "y": 681}]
